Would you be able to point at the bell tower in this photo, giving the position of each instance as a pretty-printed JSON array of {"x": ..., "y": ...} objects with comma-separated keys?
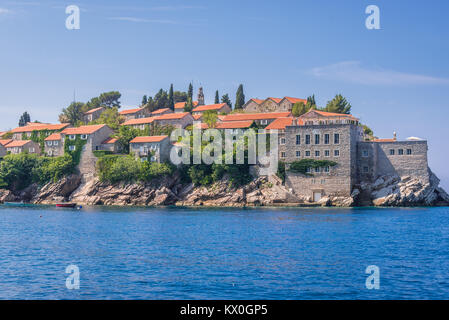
[{"x": 200, "y": 97}]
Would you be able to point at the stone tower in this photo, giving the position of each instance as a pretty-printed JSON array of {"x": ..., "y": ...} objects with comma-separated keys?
[{"x": 200, "y": 97}]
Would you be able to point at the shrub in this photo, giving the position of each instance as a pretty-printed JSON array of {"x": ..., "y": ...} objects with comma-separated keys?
[
  {"x": 301, "y": 166},
  {"x": 52, "y": 169},
  {"x": 151, "y": 170},
  {"x": 16, "y": 170},
  {"x": 118, "y": 168}
]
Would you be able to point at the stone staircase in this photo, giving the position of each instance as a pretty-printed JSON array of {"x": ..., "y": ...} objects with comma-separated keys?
[{"x": 86, "y": 169}]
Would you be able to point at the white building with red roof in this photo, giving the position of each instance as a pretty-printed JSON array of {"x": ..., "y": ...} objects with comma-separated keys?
[
  {"x": 219, "y": 108},
  {"x": 151, "y": 148}
]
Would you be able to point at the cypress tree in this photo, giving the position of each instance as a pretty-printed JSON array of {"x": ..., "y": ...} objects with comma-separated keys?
[
  {"x": 217, "y": 97},
  {"x": 190, "y": 92},
  {"x": 239, "y": 98},
  {"x": 144, "y": 100},
  {"x": 171, "y": 101},
  {"x": 225, "y": 99}
]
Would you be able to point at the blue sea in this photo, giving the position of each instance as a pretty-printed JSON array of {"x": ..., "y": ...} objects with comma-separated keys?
[{"x": 218, "y": 253}]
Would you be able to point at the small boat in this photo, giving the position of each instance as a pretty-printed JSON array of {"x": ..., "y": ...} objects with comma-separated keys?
[
  {"x": 66, "y": 205},
  {"x": 17, "y": 204}
]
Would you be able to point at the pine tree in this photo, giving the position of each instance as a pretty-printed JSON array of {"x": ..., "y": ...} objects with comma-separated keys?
[
  {"x": 144, "y": 100},
  {"x": 190, "y": 91},
  {"x": 311, "y": 103},
  {"x": 338, "y": 105},
  {"x": 239, "y": 98},
  {"x": 225, "y": 99},
  {"x": 171, "y": 101},
  {"x": 24, "y": 119},
  {"x": 217, "y": 97}
]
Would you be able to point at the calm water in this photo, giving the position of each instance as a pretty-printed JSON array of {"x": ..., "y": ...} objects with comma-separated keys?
[{"x": 143, "y": 253}]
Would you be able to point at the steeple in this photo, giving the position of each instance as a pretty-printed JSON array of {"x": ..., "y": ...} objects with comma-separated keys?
[{"x": 200, "y": 97}]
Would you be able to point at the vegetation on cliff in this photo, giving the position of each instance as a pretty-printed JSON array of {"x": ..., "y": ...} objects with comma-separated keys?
[{"x": 303, "y": 165}]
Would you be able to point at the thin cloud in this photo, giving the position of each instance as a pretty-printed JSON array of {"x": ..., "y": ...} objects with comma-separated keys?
[
  {"x": 4, "y": 11},
  {"x": 140, "y": 20},
  {"x": 353, "y": 71}
]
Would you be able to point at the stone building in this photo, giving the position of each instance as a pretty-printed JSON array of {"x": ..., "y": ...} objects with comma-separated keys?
[
  {"x": 94, "y": 135},
  {"x": 93, "y": 114},
  {"x": 339, "y": 138},
  {"x": 53, "y": 145},
  {"x": 271, "y": 104},
  {"x": 179, "y": 106},
  {"x": 110, "y": 144},
  {"x": 38, "y": 128},
  {"x": 261, "y": 119},
  {"x": 136, "y": 113},
  {"x": 219, "y": 108},
  {"x": 19, "y": 146},
  {"x": 151, "y": 148},
  {"x": 178, "y": 120},
  {"x": 3, "y": 144}
]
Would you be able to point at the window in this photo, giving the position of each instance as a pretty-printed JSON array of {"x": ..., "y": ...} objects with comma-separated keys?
[
  {"x": 282, "y": 141},
  {"x": 263, "y": 121},
  {"x": 144, "y": 159},
  {"x": 317, "y": 139},
  {"x": 307, "y": 153},
  {"x": 336, "y": 153},
  {"x": 55, "y": 143},
  {"x": 72, "y": 148},
  {"x": 298, "y": 139},
  {"x": 400, "y": 152},
  {"x": 307, "y": 138},
  {"x": 326, "y": 138},
  {"x": 317, "y": 153},
  {"x": 317, "y": 170},
  {"x": 72, "y": 137},
  {"x": 323, "y": 181},
  {"x": 409, "y": 151},
  {"x": 298, "y": 154},
  {"x": 365, "y": 169},
  {"x": 365, "y": 153},
  {"x": 283, "y": 154},
  {"x": 49, "y": 143},
  {"x": 153, "y": 159},
  {"x": 308, "y": 170},
  {"x": 336, "y": 138},
  {"x": 326, "y": 169},
  {"x": 391, "y": 152},
  {"x": 326, "y": 153},
  {"x": 31, "y": 150},
  {"x": 84, "y": 136}
]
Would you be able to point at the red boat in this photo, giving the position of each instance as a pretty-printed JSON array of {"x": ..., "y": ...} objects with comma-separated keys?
[{"x": 66, "y": 205}]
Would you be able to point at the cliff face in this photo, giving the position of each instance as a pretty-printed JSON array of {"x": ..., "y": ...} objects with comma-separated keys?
[{"x": 385, "y": 191}]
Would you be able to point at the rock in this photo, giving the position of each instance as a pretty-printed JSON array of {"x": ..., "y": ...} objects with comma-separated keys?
[
  {"x": 324, "y": 201},
  {"x": 7, "y": 195}
]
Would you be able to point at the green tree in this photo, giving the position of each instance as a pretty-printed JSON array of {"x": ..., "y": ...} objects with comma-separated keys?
[
  {"x": 144, "y": 100},
  {"x": 225, "y": 99},
  {"x": 338, "y": 105},
  {"x": 210, "y": 117},
  {"x": 188, "y": 107},
  {"x": 299, "y": 108},
  {"x": 190, "y": 92},
  {"x": 217, "y": 97},
  {"x": 124, "y": 136},
  {"x": 179, "y": 96},
  {"x": 171, "y": 101},
  {"x": 72, "y": 114},
  {"x": 239, "y": 98},
  {"x": 161, "y": 100},
  {"x": 24, "y": 119},
  {"x": 106, "y": 99},
  {"x": 111, "y": 117}
]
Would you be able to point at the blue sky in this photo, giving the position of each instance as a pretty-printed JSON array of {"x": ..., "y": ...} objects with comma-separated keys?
[{"x": 396, "y": 78}]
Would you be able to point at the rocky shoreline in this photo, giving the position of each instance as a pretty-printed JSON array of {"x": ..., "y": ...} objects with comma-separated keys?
[{"x": 390, "y": 191}]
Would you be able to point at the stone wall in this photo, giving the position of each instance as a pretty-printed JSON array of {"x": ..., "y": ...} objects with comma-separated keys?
[{"x": 340, "y": 178}]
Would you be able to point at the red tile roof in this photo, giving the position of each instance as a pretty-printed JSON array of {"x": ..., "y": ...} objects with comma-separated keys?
[
  {"x": 331, "y": 114},
  {"x": 130, "y": 111},
  {"x": 258, "y": 101},
  {"x": 234, "y": 124},
  {"x": 173, "y": 116},
  {"x": 277, "y": 100},
  {"x": 148, "y": 139},
  {"x": 139, "y": 121},
  {"x": 17, "y": 143},
  {"x": 281, "y": 123},
  {"x": 84, "y": 129},
  {"x": 294, "y": 100},
  {"x": 197, "y": 116},
  {"x": 180, "y": 105},
  {"x": 256, "y": 116},
  {"x": 159, "y": 111},
  {"x": 110, "y": 140},
  {"x": 4, "y": 142},
  {"x": 209, "y": 107},
  {"x": 40, "y": 127},
  {"x": 53, "y": 137},
  {"x": 93, "y": 110}
]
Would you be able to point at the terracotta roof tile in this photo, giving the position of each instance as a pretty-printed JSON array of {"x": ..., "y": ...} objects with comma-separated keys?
[
  {"x": 53, "y": 137},
  {"x": 148, "y": 139},
  {"x": 110, "y": 140},
  {"x": 173, "y": 116},
  {"x": 234, "y": 124},
  {"x": 209, "y": 107},
  {"x": 40, "y": 127},
  {"x": 130, "y": 111},
  {"x": 17, "y": 143},
  {"x": 180, "y": 105},
  {"x": 159, "y": 111},
  {"x": 84, "y": 129},
  {"x": 4, "y": 142},
  {"x": 281, "y": 123},
  {"x": 256, "y": 116},
  {"x": 139, "y": 121},
  {"x": 93, "y": 110},
  {"x": 294, "y": 100}
]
